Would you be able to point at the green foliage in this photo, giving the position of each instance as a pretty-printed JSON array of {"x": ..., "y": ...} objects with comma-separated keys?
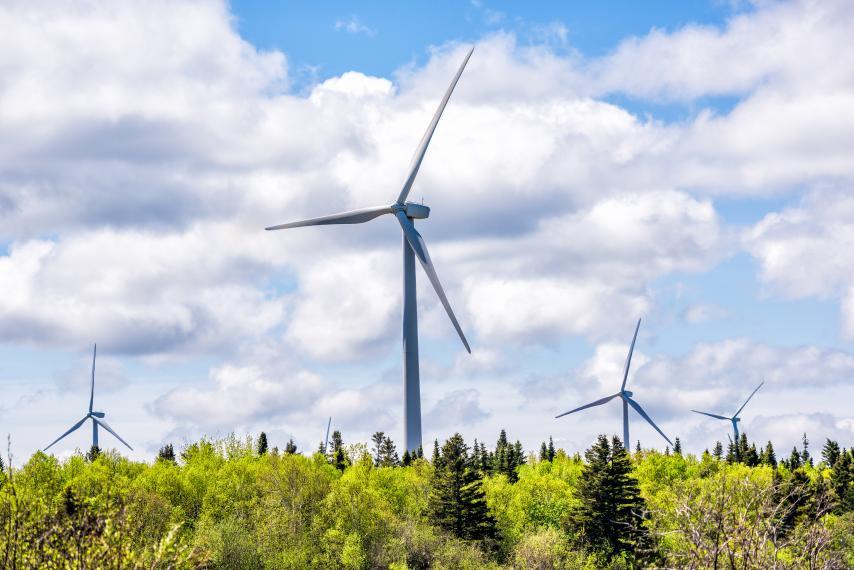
[
  {"x": 457, "y": 499},
  {"x": 219, "y": 504}
]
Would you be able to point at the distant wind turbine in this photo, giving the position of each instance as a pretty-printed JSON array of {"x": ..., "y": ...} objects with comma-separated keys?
[
  {"x": 96, "y": 417},
  {"x": 626, "y": 396},
  {"x": 734, "y": 419},
  {"x": 326, "y": 440},
  {"x": 413, "y": 246}
]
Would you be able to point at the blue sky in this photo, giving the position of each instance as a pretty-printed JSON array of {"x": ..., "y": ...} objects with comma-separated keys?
[{"x": 684, "y": 162}]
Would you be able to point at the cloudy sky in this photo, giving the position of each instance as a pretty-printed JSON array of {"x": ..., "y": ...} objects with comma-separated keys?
[{"x": 689, "y": 164}]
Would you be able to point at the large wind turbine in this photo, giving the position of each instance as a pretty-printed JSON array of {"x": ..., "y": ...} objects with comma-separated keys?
[
  {"x": 734, "y": 419},
  {"x": 96, "y": 417},
  {"x": 627, "y": 400},
  {"x": 413, "y": 246}
]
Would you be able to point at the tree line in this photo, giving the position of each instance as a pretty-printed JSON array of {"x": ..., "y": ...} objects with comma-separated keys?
[{"x": 242, "y": 503}]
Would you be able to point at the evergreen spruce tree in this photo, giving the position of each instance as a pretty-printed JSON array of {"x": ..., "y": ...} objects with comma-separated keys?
[
  {"x": 638, "y": 447},
  {"x": 841, "y": 482},
  {"x": 751, "y": 457},
  {"x": 337, "y": 455},
  {"x": 262, "y": 443},
  {"x": 551, "y": 449},
  {"x": 677, "y": 446},
  {"x": 743, "y": 447},
  {"x": 437, "y": 459},
  {"x": 388, "y": 453},
  {"x": 378, "y": 439},
  {"x": 420, "y": 452},
  {"x": 611, "y": 516},
  {"x": 407, "y": 459},
  {"x": 485, "y": 459},
  {"x": 805, "y": 454},
  {"x": 499, "y": 461},
  {"x": 167, "y": 453},
  {"x": 830, "y": 452},
  {"x": 544, "y": 452},
  {"x": 93, "y": 453},
  {"x": 718, "y": 451},
  {"x": 290, "y": 447},
  {"x": 768, "y": 457},
  {"x": 457, "y": 502},
  {"x": 794, "y": 461}
]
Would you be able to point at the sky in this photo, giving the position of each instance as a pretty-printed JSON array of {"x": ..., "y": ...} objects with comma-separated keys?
[{"x": 687, "y": 163}]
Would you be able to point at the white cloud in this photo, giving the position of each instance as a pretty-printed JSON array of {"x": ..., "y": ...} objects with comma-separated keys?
[
  {"x": 804, "y": 250},
  {"x": 352, "y": 25}
]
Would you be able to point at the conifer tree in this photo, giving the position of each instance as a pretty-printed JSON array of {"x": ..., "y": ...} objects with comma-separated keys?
[
  {"x": 805, "y": 454},
  {"x": 768, "y": 457},
  {"x": 677, "y": 446},
  {"x": 407, "y": 459},
  {"x": 551, "y": 449},
  {"x": 751, "y": 457},
  {"x": 611, "y": 516},
  {"x": 544, "y": 452},
  {"x": 437, "y": 459},
  {"x": 718, "y": 451},
  {"x": 167, "y": 453},
  {"x": 337, "y": 456},
  {"x": 841, "y": 482},
  {"x": 388, "y": 453},
  {"x": 638, "y": 447},
  {"x": 420, "y": 452},
  {"x": 290, "y": 447},
  {"x": 378, "y": 439},
  {"x": 794, "y": 461},
  {"x": 830, "y": 452},
  {"x": 457, "y": 501},
  {"x": 262, "y": 443},
  {"x": 93, "y": 453}
]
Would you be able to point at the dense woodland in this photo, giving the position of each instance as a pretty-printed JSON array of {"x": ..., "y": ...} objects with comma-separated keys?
[{"x": 240, "y": 503}]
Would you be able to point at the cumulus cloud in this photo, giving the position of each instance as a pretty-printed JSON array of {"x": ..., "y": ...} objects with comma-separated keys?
[
  {"x": 804, "y": 250},
  {"x": 152, "y": 144}
]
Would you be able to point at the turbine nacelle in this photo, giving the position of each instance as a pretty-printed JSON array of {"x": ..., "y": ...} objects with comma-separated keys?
[
  {"x": 412, "y": 210},
  {"x": 627, "y": 393},
  {"x": 97, "y": 414},
  {"x": 736, "y": 420}
]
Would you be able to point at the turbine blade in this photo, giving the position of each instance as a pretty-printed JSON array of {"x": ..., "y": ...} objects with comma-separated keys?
[
  {"x": 629, "y": 358},
  {"x": 415, "y": 164},
  {"x": 590, "y": 405},
  {"x": 748, "y": 399},
  {"x": 104, "y": 425},
  {"x": 416, "y": 242},
  {"x": 712, "y": 415},
  {"x": 71, "y": 429},
  {"x": 352, "y": 217},
  {"x": 92, "y": 391},
  {"x": 639, "y": 410}
]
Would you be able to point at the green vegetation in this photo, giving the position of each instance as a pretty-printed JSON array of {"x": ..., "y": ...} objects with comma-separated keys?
[{"x": 235, "y": 503}]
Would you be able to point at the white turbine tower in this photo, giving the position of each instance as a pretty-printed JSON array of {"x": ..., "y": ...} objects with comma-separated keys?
[
  {"x": 413, "y": 246},
  {"x": 96, "y": 417},
  {"x": 626, "y": 396}
]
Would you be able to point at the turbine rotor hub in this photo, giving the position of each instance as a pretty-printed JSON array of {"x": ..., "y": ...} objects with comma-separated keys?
[{"x": 628, "y": 393}]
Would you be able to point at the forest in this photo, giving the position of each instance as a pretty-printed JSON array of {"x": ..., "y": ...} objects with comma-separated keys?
[{"x": 239, "y": 503}]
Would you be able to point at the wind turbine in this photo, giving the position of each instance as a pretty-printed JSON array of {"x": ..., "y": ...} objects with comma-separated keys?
[
  {"x": 734, "y": 419},
  {"x": 96, "y": 417},
  {"x": 413, "y": 246},
  {"x": 326, "y": 440},
  {"x": 626, "y": 396}
]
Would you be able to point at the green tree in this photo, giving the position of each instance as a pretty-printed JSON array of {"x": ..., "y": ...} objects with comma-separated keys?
[
  {"x": 262, "y": 443},
  {"x": 718, "y": 451},
  {"x": 337, "y": 456},
  {"x": 167, "y": 453},
  {"x": 830, "y": 452},
  {"x": 93, "y": 453},
  {"x": 457, "y": 501},
  {"x": 378, "y": 438},
  {"x": 677, "y": 446},
  {"x": 768, "y": 457},
  {"x": 612, "y": 512},
  {"x": 290, "y": 447},
  {"x": 805, "y": 454},
  {"x": 551, "y": 449}
]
